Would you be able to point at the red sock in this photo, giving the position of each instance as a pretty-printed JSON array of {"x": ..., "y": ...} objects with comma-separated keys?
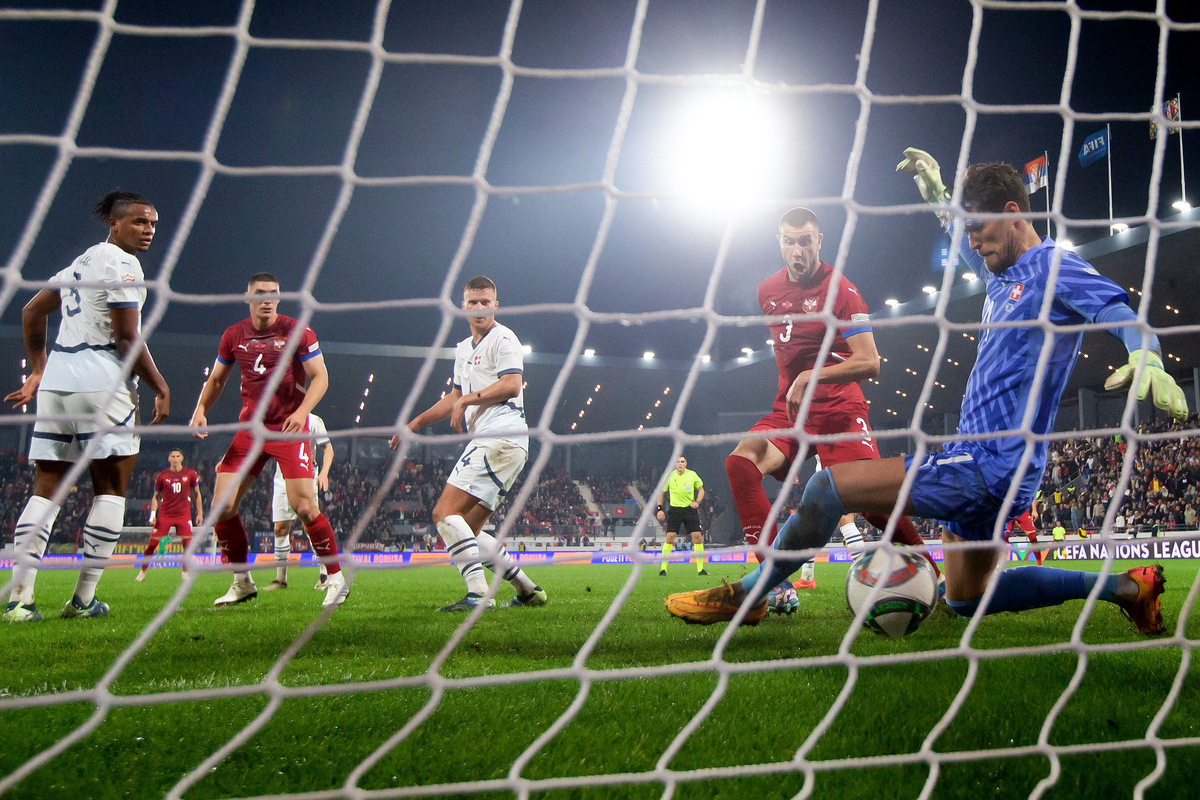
[
  {"x": 320, "y": 533},
  {"x": 906, "y": 533},
  {"x": 1033, "y": 540},
  {"x": 155, "y": 538},
  {"x": 749, "y": 498},
  {"x": 235, "y": 544}
]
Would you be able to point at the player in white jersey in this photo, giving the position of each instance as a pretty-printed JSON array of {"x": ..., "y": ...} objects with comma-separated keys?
[
  {"x": 283, "y": 515},
  {"x": 86, "y": 408},
  {"x": 487, "y": 399}
]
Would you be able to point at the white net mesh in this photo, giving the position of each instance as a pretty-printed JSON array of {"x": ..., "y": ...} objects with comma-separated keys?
[{"x": 870, "y": 138}]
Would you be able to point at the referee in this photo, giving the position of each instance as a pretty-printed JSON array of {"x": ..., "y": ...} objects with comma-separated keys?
[{"x": 682, "y": 497}]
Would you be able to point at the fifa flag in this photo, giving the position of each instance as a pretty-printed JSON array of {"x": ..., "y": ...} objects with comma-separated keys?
[
  {"x": 1095, "y": 147},
  {"x": 1034, "y": 175}
]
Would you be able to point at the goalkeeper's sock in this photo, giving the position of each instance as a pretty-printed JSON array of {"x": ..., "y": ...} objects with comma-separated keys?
[
  {"x": 1039, "y": 587},
  {"x": 283, "y": 549},
  {"x": 749, "y": 498},
  {"x": 906, "y": 533},
  {"x": 231, "y": 536},
  {"x": 29, "y": 544},
  {"x": 324, "y": 543},
  {"x": 666, "y": 555},
  {"x": 808, "y": 571},
  {"x": 463, "y": 548},
  {"x": 699, "y": 548},
  {"x": 498, "y": 560},
  {"x": 810, "y": 528},
  {"x": 100, "y": 534}
]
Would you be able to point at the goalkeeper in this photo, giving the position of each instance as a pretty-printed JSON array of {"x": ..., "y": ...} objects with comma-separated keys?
[{"x": 965, "y": 486}]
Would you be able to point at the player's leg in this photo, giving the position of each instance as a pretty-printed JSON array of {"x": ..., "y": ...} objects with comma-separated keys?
[
  {"x": 282, "y": 516},
  {"x": 302, "y": 498},
  {"x": 669, "y": 543},
  {"x": 161, "y": 526},
  {"x": 231, "y": 535},
  {"x": 698, "y": 549},
  {"x": 184, "y": 529},
  {"x": 497, "y": 558},
  {"x": 745, "y": 468},
  {"x": 101, "y": 530},
  {"x": 450, "y": 518},
  {"x": 30, "y": 537}
]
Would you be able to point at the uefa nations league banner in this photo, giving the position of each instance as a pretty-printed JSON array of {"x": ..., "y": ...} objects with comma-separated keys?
[{"x": 1159, "y": 549}]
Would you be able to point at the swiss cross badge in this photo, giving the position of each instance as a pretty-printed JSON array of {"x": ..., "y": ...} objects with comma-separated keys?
[
  {"x": 478, "y": 360},
  {"x": 1015, "y": 292}
]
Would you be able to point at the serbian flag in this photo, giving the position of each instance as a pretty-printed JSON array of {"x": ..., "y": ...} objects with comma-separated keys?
[{"x": 1034, "y": 175}]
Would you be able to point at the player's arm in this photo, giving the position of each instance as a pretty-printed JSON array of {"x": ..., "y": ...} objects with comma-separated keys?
[
  {"x": 326, "y": 463},
  {"x": 699, "y": 496},
  {"x": 862, "y": 364},
  {"x": 1154, "y": 379},
  {"x": 503, "y": 390},
  {"x": 318, "y": 384},
  {"x": 125, "y": 333},
  {"x": 154, "y": 500},
  {"x": 435, "y": 413},
  {"x": 209, "y": 394},
  {"x": 33, "y": 329},
  {"x": 664, "y": 502},
  {"x": 198, "y": 501}
]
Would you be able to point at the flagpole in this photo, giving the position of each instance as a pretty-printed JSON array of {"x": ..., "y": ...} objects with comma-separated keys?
[
  {"x": 1182, "y": 181},
  {"x": 1108, "y": 154},
  {"x": 1046, "y": 155}
]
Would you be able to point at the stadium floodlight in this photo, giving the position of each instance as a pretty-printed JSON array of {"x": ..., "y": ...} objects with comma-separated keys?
[
  {"x": 929, "y": 289},
  {"x": 891, "y": 302},
  {"x": 1066, "y": 244},
  {"x": 970, "y": 276},
  {"x": 527, "y": 348},
  {"x": 1119, "y": 227},
  {"x": 748, "y": 351},
  {"x": 589, "y": 352},
  {"x": 722, "y": 149},
  {"x": 648, "y": 355},
  {"x": 706, "y": 358},
  {"x": 1181, "y": 205}
]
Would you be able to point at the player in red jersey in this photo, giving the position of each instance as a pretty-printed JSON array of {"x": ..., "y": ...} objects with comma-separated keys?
[
  {"x": 1024, "y": 523},
  {"x": 793, "y": 293},
  {"x": 175, "y": 489},
  {"x": 258, "y": 346}
]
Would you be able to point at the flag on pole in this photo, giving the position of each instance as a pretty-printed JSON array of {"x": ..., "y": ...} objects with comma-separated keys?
[
  {"x": 1095, "y": 147},
  {"x": 1034, "y": 175},
  {"x": 1170, "y": 110}
]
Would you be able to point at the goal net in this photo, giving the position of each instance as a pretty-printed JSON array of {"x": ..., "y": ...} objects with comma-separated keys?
[{"x": 619, "y": 170}]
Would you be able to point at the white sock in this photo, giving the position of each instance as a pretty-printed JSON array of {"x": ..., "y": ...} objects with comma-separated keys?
[
  {"x": 32, "y": 533},
  {"x": 463, "y": 548},
  {"x": 808, "y": 572},
  {"x": 100, "y": 535},
  {"x": 852, "y": 538},
  {"x": 496, "y": 557},
  {"x": 283, "y": 549}
]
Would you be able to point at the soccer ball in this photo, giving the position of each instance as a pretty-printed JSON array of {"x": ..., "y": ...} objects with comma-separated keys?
[
  {"x": 906, "y": 597},
  {"x": 782, "y": 601}
]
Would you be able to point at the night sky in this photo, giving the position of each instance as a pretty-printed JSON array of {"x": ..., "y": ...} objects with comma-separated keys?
[{"x": 295, "y": 107}]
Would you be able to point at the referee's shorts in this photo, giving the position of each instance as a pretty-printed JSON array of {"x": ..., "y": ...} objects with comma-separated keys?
[{"x": 683, "y": 520}]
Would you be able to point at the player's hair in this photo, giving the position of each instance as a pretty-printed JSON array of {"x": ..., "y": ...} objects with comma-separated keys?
[
  {"x": 262, "y": 277},
  {"x": 798, "y": 217},
  {"x": 175, "y": 450},
  {"x": 480, "y": 283},
  {"x": 987, "y": 187},
  {"x": 116, "y": 204}
]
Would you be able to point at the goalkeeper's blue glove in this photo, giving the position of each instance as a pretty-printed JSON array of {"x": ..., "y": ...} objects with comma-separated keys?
[
  {"x": 926, "y": 172},
  {"x": 1155, "y": 381}
]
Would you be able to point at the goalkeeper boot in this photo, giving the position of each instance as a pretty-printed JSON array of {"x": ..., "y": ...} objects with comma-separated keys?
[
  {"x": 336, "y": 590},
  {"x": 783, "y": 600},
  {"x": 239, "y": 592},
  {"x": 719, "y": 604},
  {"x": 535, "y": 598},
  {"x": 1145, "y": 610},
  {"x": 469, "y": 602},
  {"x": 21, "y": 612},
  {"x": 74, "y": 609},
  {"x": 275, "y": 584}
]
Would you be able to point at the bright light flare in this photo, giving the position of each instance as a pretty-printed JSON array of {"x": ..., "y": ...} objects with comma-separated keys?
[{"x": 722, "y": 148}]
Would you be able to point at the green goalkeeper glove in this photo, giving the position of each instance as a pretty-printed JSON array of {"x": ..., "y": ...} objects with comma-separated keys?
[
  {"x": 926, "y": 172},
  {"x": 1167, "y": 394}
]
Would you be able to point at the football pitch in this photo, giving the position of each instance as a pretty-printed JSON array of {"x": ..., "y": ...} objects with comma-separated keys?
[{"x": 476, "y": 712}]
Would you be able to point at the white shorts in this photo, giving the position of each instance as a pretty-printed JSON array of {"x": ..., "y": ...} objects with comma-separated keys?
[
  {"x": 280, "y": 510},
  {"x": 487, "y": 470},
  {"x": 66, "y": 438}
]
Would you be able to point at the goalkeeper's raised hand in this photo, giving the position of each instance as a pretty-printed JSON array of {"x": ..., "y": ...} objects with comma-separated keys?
[
  {"x": 1155, "y": 381},
  {"x": 926, "y": 172}
]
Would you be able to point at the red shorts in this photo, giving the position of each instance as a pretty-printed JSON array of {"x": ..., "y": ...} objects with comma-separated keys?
[
  {"x": 294, "y": 458},
  {"x": 837, "y": 418},
  {"x": 182, "y": 526}
]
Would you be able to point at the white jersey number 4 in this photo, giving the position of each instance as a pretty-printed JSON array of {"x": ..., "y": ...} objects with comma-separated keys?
[{"x": 258, "y": 365}]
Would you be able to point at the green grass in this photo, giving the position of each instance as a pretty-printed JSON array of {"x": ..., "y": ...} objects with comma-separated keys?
[{"x": 780, "y": 686}]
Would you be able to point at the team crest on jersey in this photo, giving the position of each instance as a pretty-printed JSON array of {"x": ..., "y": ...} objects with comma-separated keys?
[
  {"x": 811, "y": 304},
  {"x": 279, "y": 344},
  {"x": 478, "y": 360},
  {"x": 1015, "y": 293}
]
